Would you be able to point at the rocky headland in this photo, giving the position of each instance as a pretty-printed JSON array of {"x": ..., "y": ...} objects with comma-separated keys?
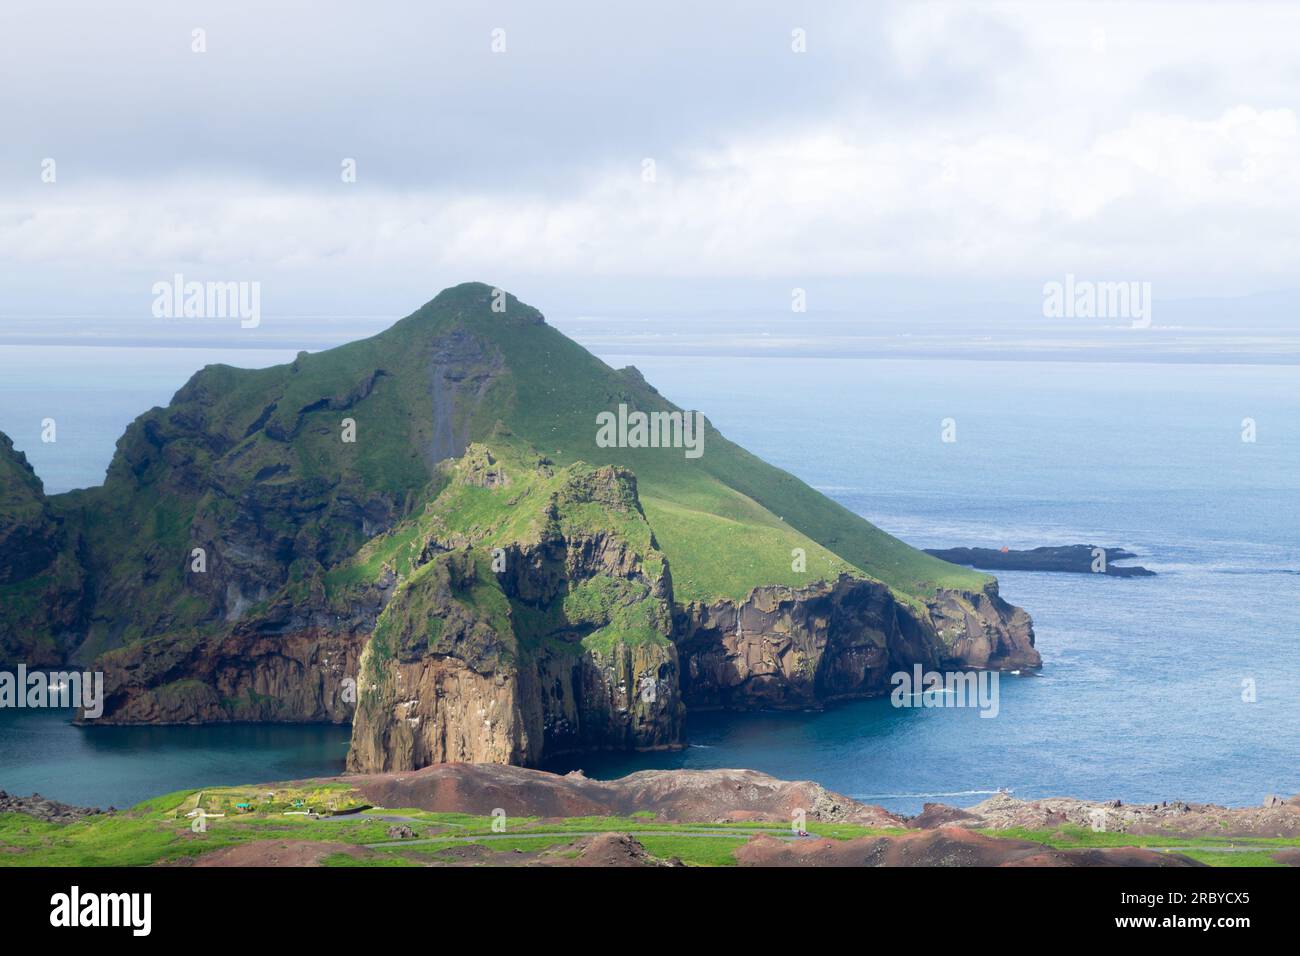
[
  {"x": 420, "y": 535},
  {"x": 1070, "y": 559},
  {"x": 44, "y": 809}
]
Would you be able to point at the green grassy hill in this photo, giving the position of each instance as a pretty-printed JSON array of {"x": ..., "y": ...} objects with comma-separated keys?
[
  {"x": 725, "y": 502},
  {"x": 548, "y": 390},
  {"x": 253, "y": 535},
  {"x": 268, "y": 441}
]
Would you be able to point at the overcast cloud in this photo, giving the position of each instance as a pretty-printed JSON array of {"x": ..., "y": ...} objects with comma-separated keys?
[{"x": 947, "y": 145}]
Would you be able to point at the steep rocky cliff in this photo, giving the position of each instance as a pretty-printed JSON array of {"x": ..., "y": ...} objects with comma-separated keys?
[
  {"x": 41, "y": 578},
  {"x": 28, "y": 533},
  {"x": 798, "y": 647},
  {"x": 420, "y": 533},
  {"x": 542, "y": 626},
  {"x": 788, "y": 647}
]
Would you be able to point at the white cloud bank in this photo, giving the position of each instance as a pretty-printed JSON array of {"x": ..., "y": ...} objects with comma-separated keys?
[
  {"x": 1159, "y": 194},
  {"x": 1131, "y": 141}
]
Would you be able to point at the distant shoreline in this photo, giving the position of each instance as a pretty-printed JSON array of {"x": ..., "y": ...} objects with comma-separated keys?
[{"x": 868, "y": 350}]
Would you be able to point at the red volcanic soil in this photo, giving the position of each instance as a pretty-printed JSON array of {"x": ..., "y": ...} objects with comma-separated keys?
[
  {"x": 605, "y": 849},
  {"x": 671, "y": 795},
  {"x": 945, "y": 846},
  {"x": 277, "y": 853},
  {"x": 941, "y": 815},
  {"x": 615, "y": 849}
]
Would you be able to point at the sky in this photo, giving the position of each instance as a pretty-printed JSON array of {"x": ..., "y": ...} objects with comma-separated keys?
[{"x": 608, "y": 159}]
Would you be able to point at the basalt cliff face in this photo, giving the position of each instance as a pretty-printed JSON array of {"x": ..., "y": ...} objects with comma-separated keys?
[
  {"x": 41, "y": 575},
  {"x": 557, "y": 642},
  {"x": 419, "y": 533},
  {"x": 786, "y": 647}
]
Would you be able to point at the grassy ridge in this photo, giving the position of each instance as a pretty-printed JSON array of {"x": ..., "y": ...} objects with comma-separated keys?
[{"x": 559, "y": 388}]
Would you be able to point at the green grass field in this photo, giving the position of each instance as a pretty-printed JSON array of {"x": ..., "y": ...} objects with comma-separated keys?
[{"x": 159, "y": 831}]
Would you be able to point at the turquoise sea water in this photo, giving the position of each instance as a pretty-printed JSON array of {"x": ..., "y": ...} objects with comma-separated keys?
[
  {"x": 1140, "y": 696},
  {"x": 40, "y": 751}
]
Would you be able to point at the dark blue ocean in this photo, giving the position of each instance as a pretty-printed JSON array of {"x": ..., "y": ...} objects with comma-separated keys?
[{"x": 1141, "y": 691}]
